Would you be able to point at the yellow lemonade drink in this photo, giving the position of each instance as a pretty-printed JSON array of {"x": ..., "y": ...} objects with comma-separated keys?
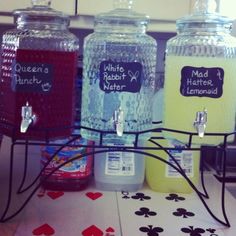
[
  {"x": 161, "y": 177},
  {"x": 193, "y": 84}
]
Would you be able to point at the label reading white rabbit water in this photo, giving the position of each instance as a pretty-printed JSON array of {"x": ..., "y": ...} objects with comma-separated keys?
[
  {"x": 119, "y": 163},
  {"x": 120, "y": 76},
  {"x": 184, "y": 159}
]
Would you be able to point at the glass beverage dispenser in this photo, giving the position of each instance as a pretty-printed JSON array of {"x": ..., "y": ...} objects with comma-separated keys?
[
  {"x": 200, "y": 85},
  {"x": 38, "y": 71},
  {"x": 119, "y": 72}
]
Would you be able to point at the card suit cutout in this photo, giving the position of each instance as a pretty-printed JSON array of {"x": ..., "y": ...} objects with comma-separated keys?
[
  {"x": 92, "y": 231},
  {"x": 55, "y": 195},
  {"x": 44, "y": 230},
  {"x": 110, "y": 230},
  {"x": 94, "y": 196}
]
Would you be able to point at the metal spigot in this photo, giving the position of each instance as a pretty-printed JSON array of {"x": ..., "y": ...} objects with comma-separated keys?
[
  {"x": 27, "y": 117},
  {"x": 119, "y": 121},
  {"x": 200, "y": 122}
]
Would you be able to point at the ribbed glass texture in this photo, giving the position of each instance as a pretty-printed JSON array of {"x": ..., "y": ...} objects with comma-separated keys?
[
  {"x": 200, "y": 76},
  {"x": 203, "y": 44},
  {"x": 98, "y": 107},
  {"x": 41, "y": 37}
]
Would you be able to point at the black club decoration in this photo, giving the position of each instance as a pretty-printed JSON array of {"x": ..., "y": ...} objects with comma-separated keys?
[
  {"x": 140, "y": 197},
  {"x": 193, "y": 232},
  {"x": 212, "y": 231},
  {"x": 151, "y": 231},
  {"x": 175, "y": 197},
  {"x": 183, "y": 212},
  {"x": 125, "y": 195},
  {"x": 143, "y": 211}
]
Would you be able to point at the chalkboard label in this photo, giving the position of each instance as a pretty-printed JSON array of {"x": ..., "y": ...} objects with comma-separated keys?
[
  {"x": 120, "y": 76},
  {"x": 202, "y": 82},
  {"x": 32, "y": 77}
]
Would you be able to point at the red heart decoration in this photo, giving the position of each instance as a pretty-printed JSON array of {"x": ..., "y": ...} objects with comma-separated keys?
[
  {"x": 110, "y": 230},
  {"x": 94, "y": 196},
  {"x": 44, "y": 230},
  {"x": 55, "y": 195},
  {"x": 92, "y": 231}
]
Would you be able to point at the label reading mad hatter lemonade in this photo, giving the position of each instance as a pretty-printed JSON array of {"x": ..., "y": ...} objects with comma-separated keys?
[{"x": 202, "y": 82}]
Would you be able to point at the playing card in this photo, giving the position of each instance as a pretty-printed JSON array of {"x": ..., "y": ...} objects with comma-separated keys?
[
  {"x": 85, "y": 213},
  {"x": 165, "y": 214}
]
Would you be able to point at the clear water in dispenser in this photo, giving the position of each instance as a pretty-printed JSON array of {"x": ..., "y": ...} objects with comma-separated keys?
[
  {"x": 119, "y": 74},
  {"x": 119, "y": 69}
]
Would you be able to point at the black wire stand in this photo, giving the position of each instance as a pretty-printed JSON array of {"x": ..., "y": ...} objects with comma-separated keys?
[{"x": 102, "y": 148}]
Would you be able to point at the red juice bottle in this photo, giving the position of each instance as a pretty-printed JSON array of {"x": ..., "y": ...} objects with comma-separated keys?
[{"x": 72, "y": 176}]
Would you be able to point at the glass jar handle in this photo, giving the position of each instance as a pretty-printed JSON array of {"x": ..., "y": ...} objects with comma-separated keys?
[
  {"x": 43, "y": 3},
  {"x": 205, "y": 6},
  {"x": 122, "y": 4}
]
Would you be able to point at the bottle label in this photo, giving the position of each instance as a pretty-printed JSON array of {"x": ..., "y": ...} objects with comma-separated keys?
[
  {"x": 120, "y": 163},
  {"x": 185, "y": 160},
  {"x": 79, "y": 168},
  {"x": 120, "y": 76},
  {"x": 202, "y": 82},
  {"x": 38, "y": 70}
]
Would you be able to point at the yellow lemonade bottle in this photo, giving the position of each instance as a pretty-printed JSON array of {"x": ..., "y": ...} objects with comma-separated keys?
[
  {"x": 200, "y": 82},
  {"x": 161, "y": 177}
]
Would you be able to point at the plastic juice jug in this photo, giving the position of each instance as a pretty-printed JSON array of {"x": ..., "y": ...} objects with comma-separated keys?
[
  {"x": 162, "y": 177},
  {"x": 119, "y": 171},
  {"x": 199, "y": 89},
  {"x": 38, "y": 72},
  {"x": 74, "y": 175}
]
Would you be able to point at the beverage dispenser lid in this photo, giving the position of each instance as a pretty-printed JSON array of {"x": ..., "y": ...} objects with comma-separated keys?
[
  {"x": 122, "y": 14},
  {"x": 40, "y": 10},
  {"x": 204, "y": 12}
]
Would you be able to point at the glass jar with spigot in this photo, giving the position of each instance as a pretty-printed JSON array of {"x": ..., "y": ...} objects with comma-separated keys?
[
  {"x": 200, "y": 83},
  {"x": 118, "y": 87},
  {"x": 119, "y": 74},
  {"x": 38, "y": 71}
]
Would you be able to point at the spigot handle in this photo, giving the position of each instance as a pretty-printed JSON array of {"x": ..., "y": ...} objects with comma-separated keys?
[
  {"x": 27, "y": 117},
  {"x": 200, "y": 122},
  {"x": 119, "y": 121},
  {"x": 26, "y": 111}
]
